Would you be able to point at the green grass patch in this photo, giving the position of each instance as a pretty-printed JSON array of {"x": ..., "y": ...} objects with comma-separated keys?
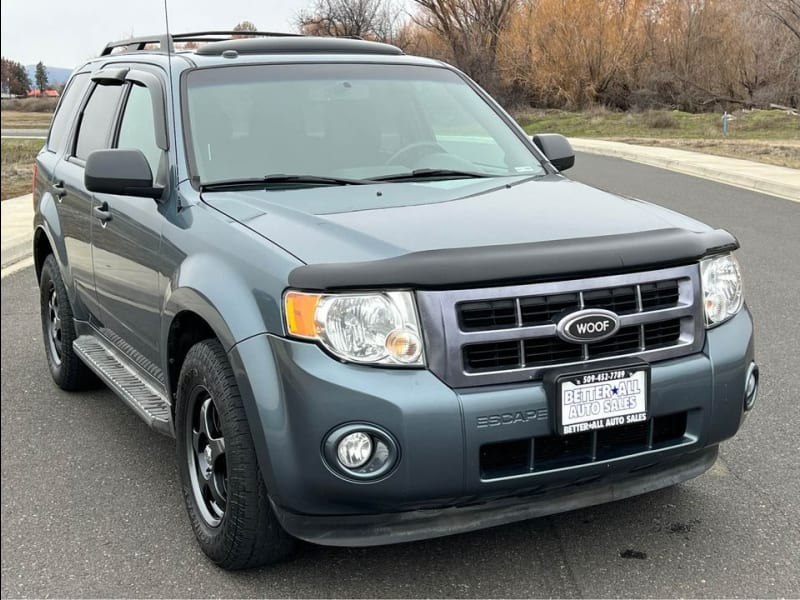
[{"x": 17, "y": 166}]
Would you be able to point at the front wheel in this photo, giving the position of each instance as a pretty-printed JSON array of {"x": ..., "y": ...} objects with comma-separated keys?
[{"x": 223, "y": 489}]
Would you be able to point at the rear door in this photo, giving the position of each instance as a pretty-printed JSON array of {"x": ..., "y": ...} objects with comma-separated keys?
[
  {"x": 71, "y": 227},
  {"x": 95, "y": 120},
  {"x": 126, "y": 230}
]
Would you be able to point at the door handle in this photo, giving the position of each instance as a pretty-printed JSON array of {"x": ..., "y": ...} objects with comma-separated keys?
[
  {"x": 59, "y": 190},
  {"x": 102, "y": 213}
]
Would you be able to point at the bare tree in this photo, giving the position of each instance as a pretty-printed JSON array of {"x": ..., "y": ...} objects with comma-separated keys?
[
  {"x": 472, "y": 30},
  {"x": 244, "y": 26},
  {"x": 378, "y": 20},
  {"x": 14, "y": 78},
  {"x": 786, "y": 12}
]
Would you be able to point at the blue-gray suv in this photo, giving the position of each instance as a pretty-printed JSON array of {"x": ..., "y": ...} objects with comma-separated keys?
[{"x": 367, "y": 305}]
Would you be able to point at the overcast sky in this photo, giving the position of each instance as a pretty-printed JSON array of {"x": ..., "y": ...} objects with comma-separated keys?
[{"x": 63, "y": 33}]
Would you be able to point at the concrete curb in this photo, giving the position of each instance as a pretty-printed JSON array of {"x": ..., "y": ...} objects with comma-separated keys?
[
  {"x": 776, "y": 181},
  {"x": 16, "y": 248},
  {"x": 17, "y": 234}
]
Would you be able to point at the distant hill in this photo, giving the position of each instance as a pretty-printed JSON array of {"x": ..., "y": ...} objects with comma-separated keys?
[{"x": 55, "y": 75}]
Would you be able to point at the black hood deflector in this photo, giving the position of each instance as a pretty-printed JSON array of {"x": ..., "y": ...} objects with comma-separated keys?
[{"x": 518, "y": 263}]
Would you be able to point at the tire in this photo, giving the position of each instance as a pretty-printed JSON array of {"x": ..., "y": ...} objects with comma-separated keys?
[
  {"x": 223, "y": 489},
  {"x": 58, "y": 329}
]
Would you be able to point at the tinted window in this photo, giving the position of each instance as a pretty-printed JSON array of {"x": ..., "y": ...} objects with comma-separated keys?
[
  {"x": 66, "y": 111},
  {"x": 138, "y": 130},
  {"x": 97, "y": 118}
]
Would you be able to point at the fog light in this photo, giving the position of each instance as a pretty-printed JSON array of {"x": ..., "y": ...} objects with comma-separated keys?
[
  {"x": 751, "y": 387},
  {"x": 354, "y": 450},
  {"x": 360, "y": 451}
]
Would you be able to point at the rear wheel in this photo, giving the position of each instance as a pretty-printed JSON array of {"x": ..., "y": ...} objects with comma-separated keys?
[
  {"x": 223, "y": 489},
  {"x": 58, "y": 329}
]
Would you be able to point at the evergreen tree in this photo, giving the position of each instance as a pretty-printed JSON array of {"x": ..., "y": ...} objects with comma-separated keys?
[
  {"x": 22, "y": 81},
  {"x": 41, "y": 77}
]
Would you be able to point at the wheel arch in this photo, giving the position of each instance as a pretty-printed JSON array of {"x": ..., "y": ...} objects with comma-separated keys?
[
  {"x": 202, "y": 321},
  {"x": 186, "y": 329},
  {"x": 42, "y": 248},
  {"x": 48, "y": 238},
  {"x": 237, "y": 300}
]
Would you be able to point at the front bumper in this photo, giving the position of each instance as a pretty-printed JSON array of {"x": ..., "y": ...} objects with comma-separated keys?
[
  {"x": 393, "y": 528},
  {"x": 295, "y": 394}
]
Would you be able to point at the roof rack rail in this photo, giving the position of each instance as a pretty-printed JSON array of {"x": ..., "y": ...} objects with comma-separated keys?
[
  {"x": 166, "y": 43},
  {"x": 297, "y": 45}
]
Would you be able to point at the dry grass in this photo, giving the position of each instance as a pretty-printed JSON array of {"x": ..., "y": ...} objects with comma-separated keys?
[
  {"x": 607, "y": 124},
  {"x": 768, "y": 136},
  {"x": 12, "y": 119},
  {"x": 17, "y": 166},
  {"x": 784, "y": 153},
  {"x": 47, "y": 105}
]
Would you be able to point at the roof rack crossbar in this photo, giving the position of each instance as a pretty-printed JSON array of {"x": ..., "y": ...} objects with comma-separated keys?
[
  {"x": 135, "y": 44},
  {"x": 166, "y": 42},
  {"x": 180, "y": 37}
]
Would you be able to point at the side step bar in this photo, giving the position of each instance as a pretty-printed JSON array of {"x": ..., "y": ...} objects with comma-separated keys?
[{"x": 146, "y": 401}]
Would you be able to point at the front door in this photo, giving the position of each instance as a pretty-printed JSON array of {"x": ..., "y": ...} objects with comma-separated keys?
[{"x": 126, "y": 239}]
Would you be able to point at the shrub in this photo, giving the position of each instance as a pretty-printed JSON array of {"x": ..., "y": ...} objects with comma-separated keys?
[{"x": 660, "y": 120}]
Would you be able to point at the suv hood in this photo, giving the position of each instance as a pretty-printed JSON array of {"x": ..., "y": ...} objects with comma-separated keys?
[{"x": 371, "y": 222}]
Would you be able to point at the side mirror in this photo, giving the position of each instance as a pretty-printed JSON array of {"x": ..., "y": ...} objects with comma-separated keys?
[
  {"x": 120, "y": 172},
  {"x": 557, "y": 149}
]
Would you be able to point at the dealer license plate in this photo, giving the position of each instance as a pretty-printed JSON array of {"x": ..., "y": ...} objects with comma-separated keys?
[{"x": 599, "y": 399}]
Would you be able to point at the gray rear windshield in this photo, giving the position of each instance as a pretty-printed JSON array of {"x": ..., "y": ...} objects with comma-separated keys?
[{"x": 344, "y": 120}]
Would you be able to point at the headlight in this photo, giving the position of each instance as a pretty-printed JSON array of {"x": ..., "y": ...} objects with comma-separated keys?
[
  {"x": 370, "y": 328},
  {"x": 722, "y": 288}
]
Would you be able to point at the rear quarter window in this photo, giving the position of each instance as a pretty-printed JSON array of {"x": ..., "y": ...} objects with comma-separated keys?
[{"x": 65, "y": 114}]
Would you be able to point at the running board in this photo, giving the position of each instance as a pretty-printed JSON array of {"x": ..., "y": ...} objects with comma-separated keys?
[{"x": 146, "y": 401}]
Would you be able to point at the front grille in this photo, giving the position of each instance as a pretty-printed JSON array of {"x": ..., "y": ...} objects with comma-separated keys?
[
  {"x": 621, "y": 300},
  {"x": 543, "y": 309},
  {"x": 660, "y": 335},
  {"x": 552, "y": 351},
  {"x": 540, "y": 310},
  {"x": 625, "y": 341},
  {"x": 508, "y": 334},
  {"x": 492, "y": 356},
  {"x": 661, "y": 294},
  {"x": 480, "y": 316},
  {"x": 539, "y": 454}
]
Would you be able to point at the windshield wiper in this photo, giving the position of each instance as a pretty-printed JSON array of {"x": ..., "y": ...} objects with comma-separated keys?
[
  {"x": 276, "y": 179},
  {"x": 421, "y": 174}
]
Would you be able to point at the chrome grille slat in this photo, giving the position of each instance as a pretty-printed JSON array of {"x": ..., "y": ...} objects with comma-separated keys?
[{"x": 663, "y": 307}]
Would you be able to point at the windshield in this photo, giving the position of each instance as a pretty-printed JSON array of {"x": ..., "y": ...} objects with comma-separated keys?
[{"x": 355, "y": 121}]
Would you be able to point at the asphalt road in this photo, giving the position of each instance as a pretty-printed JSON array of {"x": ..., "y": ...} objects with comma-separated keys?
[
  {"x": 91, "y": 507},
  {"x": 23, "y": 133}
]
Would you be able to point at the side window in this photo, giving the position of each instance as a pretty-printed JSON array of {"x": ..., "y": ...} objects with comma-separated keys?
[
  {"x": 138, "y": 130},
  {"x": 98, "y": 116},
  {"x": 65, "y": 114}
]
